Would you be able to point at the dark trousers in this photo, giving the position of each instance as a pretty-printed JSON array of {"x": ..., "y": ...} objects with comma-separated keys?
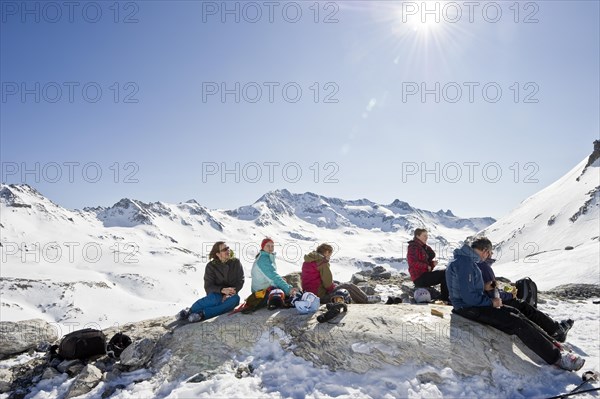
[
  {"x": 435, "y": 277},
  {"x": 539, "y": 318},
  {"x": 513, "y": 322}
]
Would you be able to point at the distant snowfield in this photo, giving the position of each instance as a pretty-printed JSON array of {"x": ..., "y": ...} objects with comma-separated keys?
[{"x": 280, "y": 374}]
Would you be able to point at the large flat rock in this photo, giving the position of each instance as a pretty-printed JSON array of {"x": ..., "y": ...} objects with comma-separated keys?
[
  {"x": 17, "y": 337},
  {"x": 367, "y": 337}
]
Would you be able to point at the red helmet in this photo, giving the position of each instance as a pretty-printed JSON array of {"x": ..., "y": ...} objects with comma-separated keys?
[{"x": 276, "y": 299}]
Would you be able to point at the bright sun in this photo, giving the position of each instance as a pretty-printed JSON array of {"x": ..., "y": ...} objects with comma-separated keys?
[
  {"x": 422, "y": 18},
  {"x": 428, "y": 25}
]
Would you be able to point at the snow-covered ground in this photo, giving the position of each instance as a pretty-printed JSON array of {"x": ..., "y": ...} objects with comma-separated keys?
[{"x": 278, "y": 373}]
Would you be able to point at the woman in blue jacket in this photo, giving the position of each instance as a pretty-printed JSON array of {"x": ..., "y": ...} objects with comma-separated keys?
[{"x": 264, "y": 270}]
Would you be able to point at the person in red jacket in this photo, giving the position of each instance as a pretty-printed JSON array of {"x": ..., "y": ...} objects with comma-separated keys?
[{"x": 420, "y": 258}]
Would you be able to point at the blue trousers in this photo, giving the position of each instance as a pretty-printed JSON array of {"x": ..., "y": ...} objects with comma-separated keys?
[{"x": 213, "y": 305}]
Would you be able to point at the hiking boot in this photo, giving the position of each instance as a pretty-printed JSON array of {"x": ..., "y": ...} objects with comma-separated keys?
[
  {"x": 404, "y": 298},
  {"x": 183, "y": 314},
  {"x": 194, "y": 317},
  {"x": 570, "y": 362},
  {"x": 563, "y": 328},
  {"x": 373, "y": 299}
]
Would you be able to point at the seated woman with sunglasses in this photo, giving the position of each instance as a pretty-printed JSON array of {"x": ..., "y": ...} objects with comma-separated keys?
[{"x": 223, "y": 279}]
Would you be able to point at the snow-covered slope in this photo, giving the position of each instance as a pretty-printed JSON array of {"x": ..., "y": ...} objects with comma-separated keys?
[
  {"x": 147, "y": 259},
  {"x": 554, "y": 235}
]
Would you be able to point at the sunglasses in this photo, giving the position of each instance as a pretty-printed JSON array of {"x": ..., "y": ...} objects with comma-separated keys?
[{"x": 224, "y": 249}]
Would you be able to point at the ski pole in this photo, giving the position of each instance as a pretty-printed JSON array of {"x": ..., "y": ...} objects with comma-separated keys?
[
  {"x": 588, "y": 376},
  {"x": 565, "y": 395}
]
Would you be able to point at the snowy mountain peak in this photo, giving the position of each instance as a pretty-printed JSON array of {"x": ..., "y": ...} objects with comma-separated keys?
[
  {"x": 276, "y": 198},
  {"x": 25, "y": 196},
  {"x": 126, "y": 203},
  {"x": 595, "y": 155},
  {"x": 267, "y": 209},
  {"x": 16, "y": 195},
  {"x": 401, "y": 205},
  {"x": 593, "y": 159},
  {"x": 126, "y": 213},
  {"x": 446, "y": 213},
  {"x": 8, "y": 197}
]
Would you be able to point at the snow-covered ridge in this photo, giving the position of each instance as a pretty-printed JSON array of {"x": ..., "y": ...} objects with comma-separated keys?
[
  {"x": 553, "y": 236},
  {"x": 274, "y": 206},
  {"x": 333, "y": 213}
]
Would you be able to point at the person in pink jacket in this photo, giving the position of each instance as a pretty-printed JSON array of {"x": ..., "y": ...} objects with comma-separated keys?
[{"x": 317, "y": 278}]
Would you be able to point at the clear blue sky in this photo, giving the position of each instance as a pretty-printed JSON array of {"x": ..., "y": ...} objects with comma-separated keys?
[{"x": 375, "y": 140}]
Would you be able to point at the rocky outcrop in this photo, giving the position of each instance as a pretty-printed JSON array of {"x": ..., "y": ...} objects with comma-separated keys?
[
  {"x": 364, "y": 338},
  {"x": 6, "y": 379},
  {"x": 138, "y": 353},
  {"x": 575, "y": 291},
  {"x": 22, "y": 336},
  {"x": 87, "y": 380},
  {"x": 594, "y": 156}
]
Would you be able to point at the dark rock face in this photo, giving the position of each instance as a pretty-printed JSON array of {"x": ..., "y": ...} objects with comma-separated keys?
[
  {"x": 10, "y": 199},
  {"x": 594, "y": 156},
  {"x": 576, "y": 291},
  {"x": 594, "y": 196}
]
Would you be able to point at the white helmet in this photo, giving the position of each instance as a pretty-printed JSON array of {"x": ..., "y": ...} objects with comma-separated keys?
[
  {"x": 422, "y": 295},
  {"x": 309, "y": 303}
]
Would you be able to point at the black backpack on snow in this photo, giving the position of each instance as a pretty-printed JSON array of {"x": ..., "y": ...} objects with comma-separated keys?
[
  {"x": 527, "y": 291},
  {"x": 82, "y": 344},
  {"x": 117, "y": 344}
]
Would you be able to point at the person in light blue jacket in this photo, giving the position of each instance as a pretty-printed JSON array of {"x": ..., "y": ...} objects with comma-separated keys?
[{"x": 264, "y": 270}]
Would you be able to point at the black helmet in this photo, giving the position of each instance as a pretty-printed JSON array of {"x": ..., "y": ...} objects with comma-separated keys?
[{"x": 341, "y": 295}]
